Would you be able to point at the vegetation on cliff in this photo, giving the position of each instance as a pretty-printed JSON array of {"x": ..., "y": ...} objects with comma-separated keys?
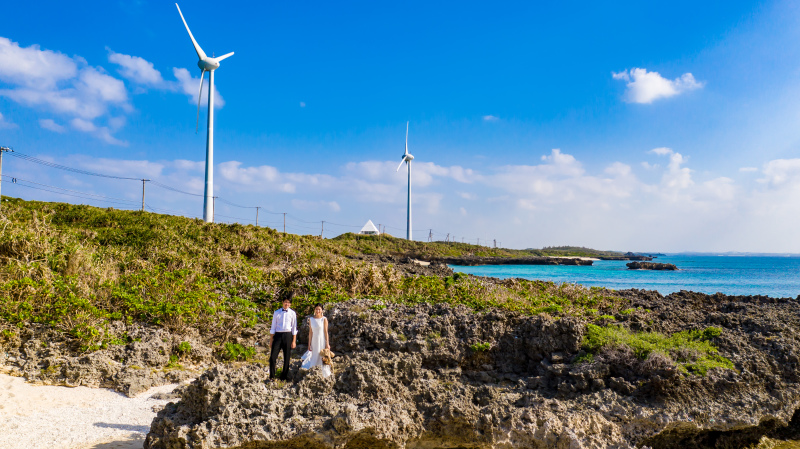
[
  {"x": 688, "y": 351},
  {"x": 79, "y": 268}
]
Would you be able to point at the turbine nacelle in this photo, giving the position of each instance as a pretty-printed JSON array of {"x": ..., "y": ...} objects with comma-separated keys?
[{"x": 208, "y": 64}]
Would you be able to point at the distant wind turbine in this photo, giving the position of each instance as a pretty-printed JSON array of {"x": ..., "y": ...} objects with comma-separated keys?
[
  {"x": 407, "y": 158},
  {"x": 206, "y": 64}
]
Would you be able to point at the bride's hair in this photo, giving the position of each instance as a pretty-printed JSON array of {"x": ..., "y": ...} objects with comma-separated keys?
[{"x": 320, "y": 306}]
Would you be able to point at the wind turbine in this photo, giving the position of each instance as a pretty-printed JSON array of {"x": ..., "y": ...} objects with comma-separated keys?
[
  {"x": 206, "y": 64},
  {"x": 407, "y": 158}
]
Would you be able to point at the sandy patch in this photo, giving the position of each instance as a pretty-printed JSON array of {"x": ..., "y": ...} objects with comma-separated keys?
[{"x": 43, "y": 416}]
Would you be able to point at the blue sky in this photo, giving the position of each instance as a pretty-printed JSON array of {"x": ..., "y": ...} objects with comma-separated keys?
[{"x": 619, "y": 126}]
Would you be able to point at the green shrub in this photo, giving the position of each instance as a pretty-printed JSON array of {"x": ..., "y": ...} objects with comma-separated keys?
[
  {"x": 184, "y": 348},
  {"x": 481, "y": 347},
  {"x": 434, "y": 336},
  {"x": 237, "y": 352},
  {"x": 691, "y": 351},
  {"x": 173, "y": 363}
]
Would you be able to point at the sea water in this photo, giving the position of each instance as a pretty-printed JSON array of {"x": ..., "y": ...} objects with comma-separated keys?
[{"x": 774, "y": 276}]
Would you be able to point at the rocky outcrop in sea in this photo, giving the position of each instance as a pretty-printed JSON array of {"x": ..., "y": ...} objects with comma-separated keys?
[
  {"x": 651, "y": 266},
  {"x": 436, "y": 376}
]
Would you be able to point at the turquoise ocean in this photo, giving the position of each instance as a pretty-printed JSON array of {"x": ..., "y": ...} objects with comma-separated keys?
[{"x": 775, "y": 276}]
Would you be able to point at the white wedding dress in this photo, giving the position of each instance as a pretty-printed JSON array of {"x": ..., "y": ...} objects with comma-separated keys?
[{"x": 317, "y": 344}]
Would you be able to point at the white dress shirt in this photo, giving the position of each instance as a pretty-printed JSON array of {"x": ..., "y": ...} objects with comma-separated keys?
[{"x": 284, "y": 321}]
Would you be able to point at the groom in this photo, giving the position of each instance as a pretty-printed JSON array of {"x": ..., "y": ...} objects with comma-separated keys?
[{"x": 284, "y": 338}]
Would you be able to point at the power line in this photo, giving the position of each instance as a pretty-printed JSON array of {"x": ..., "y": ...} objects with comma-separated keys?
[
  {"x": 86, "y": 195},
  {"x": 61, "y": 190},
  {"x": 64, "y": 167},
  {"x": 236, "y": 205},
  {"x": 164, "y": 186}
]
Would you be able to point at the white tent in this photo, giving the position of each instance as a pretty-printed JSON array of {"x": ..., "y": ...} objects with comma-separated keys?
[{"x": 369, "y": 229}]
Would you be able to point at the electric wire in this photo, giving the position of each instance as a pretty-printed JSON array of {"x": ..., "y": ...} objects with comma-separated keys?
[
  {"x": 64, "y": 167},
  {"x": 96, "y": 197}
]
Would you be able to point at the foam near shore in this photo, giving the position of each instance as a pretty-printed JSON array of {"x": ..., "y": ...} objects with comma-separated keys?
[{"x": 39, "y": 416}]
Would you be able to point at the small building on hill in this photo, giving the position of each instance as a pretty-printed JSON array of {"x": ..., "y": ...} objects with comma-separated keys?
[{"x": 369, "y": 229}]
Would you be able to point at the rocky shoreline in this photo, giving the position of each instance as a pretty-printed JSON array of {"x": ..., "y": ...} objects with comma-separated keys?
[{"x": 438, "y": 376}]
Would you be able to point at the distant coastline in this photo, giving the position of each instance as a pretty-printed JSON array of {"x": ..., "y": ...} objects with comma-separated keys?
[{"x": 472, "y": 261}]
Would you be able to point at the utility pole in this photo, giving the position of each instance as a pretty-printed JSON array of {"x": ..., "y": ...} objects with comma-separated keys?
[
  {"x": 257, "y": 208},
  {"x": 430, "y": 235},
  {"x": 3, "y": 150},
  {"x": 447, "y": 240},
  {"x": 143, "y": 181},
  {"x": 495, "y": 243},
  {"x": 322, "y": 231},
  {"x": 284, "y": 222}
]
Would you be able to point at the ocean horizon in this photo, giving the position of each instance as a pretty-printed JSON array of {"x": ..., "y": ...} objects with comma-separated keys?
[{"x": 774, "y": 275}]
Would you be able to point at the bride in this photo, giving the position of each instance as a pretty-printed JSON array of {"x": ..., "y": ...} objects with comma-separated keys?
[{"x": 317, "y": 341}]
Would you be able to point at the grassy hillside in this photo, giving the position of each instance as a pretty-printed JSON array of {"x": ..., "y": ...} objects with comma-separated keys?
[{"x": 79, "y": 268}]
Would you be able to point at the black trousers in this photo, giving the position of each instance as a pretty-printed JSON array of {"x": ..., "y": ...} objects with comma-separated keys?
[{"x": 281, "y": 342}]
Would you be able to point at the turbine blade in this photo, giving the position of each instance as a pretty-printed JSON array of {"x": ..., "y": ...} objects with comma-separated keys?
[
  {"x": 401, "y": 164},
  {"x": 406, "y": 137},
  {"x": 200, "y": 53},
  {"x": 199, "y": 97},
  {"x": 224, "y": 56}
]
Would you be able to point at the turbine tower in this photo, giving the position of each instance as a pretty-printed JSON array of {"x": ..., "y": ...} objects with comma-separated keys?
[
  {"x": 206, "y": 64},
  {"x": 407, "y": 158}
]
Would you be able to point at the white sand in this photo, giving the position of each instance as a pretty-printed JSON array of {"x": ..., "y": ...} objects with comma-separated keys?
[{"x": 39, "y": 416}]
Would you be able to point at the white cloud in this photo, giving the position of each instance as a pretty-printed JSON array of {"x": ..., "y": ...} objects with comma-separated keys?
[
  {"x": 190, "y": 86},
  {"x": 558, "y": 201},
  {"x": 467, "y": 196},
  {"x": 490, "y": 118},
  {"x": 33, "y": 67},
  {"x": 648, "y": 166},
  {"x": 90, "y": 99},
  {"x": 101, "y": 132},
  {"x": 676, "y": 177},
  {"x": 646, "y": 87},
  {"x": 782, "y": 172},
  {"x": 48, "y": 80},
  {"x": 51, "y": 125},
  {"x": 423, "y": 174},
  {"x": 618, "y": 169},
  {"x": 5, "y": 123},
  {"x": 721, "y": 188},
  {"x": 661, "y": 151},
  {"x": 321, "y": 206},
  {"x": 136, "y": 69},
  {"x": 748, "y": 169}
]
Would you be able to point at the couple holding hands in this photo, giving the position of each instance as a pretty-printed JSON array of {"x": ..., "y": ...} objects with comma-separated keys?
[{"x": 284, "y": 338}]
